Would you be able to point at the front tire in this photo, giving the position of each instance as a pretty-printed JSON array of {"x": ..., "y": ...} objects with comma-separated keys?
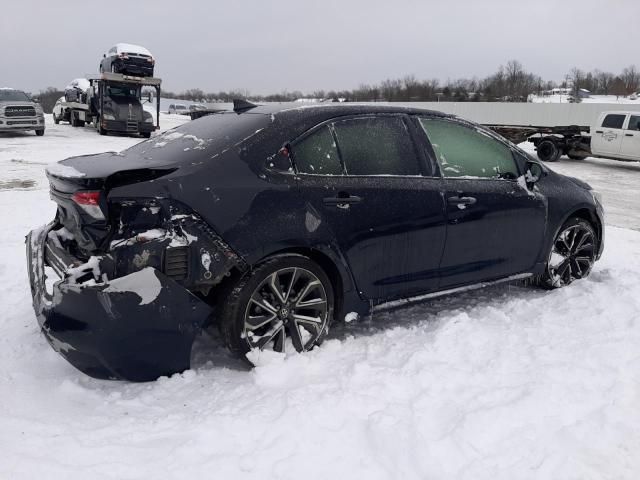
[
  {"x": 286, "y": 303},
  {"x": 40, "y": 132},
  {"x": 572, "y": 254}
]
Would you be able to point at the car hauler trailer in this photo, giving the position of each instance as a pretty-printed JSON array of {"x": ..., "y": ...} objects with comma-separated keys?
[{"x": 114, "y": 104}]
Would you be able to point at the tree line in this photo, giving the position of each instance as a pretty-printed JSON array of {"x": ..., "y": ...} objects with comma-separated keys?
[{"x": 510, "y": 83}]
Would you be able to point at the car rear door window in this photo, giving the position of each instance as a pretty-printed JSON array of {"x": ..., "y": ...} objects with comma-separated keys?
[
  {"x": 464, "y": 152},
  {"x": 317, "y": 153},
  {"x": 613, "y": 121},
  {"x": 634, "y": 123},
  {"x": 378, "y": 145}
]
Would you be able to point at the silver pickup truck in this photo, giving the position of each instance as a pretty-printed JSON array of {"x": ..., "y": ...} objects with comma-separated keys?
[{"x": 19, "y": 112}]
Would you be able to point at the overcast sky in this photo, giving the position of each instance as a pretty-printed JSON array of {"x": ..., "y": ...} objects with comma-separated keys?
[{"x": 271, "y": 46}]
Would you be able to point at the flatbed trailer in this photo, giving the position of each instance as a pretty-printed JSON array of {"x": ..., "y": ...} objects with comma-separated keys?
[
  {"x": 121, "y": 115},
  {"x": 550, "y": 142}
]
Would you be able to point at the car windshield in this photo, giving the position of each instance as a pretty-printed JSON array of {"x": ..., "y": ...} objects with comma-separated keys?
[
  {"x": 13, "y": 95},
  {"x": 122, "y": 91}
]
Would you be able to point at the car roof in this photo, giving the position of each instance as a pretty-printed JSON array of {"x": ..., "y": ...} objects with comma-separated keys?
[
  {"x": 131, "y": 48},
  {"x": 621, "y": 112},
  {"x": 338, "y": 108}
]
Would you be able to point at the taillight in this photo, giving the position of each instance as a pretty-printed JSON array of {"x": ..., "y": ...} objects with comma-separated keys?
[{"x": 89, "y": 202}]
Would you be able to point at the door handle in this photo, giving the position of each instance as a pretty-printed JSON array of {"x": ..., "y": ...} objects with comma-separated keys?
[
  {"x": 628, "y": 134},
  {"x": 341, "y": 199},
  {"x": 599, "y": 131},
  {"x": 461, "y": 200}
]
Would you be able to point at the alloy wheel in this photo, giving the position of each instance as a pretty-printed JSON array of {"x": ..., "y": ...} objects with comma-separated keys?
[
  {"x": 288, "y": 307},
  {"x": 572, "y": 255}
]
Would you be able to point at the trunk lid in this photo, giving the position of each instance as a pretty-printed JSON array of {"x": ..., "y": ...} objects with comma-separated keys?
[{"x": 79, "y": 185}]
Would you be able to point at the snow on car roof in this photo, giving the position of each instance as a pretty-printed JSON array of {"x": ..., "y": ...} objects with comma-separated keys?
[{"x": 130, "y": 48}]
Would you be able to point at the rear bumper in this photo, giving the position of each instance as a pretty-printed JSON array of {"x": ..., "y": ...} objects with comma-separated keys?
[
  {"x": 137, "y": 327},
  {"x": 140, "y": 68}
]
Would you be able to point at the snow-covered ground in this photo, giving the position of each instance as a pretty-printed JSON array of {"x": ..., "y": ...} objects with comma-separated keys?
[{"x": 505, "y": 383}]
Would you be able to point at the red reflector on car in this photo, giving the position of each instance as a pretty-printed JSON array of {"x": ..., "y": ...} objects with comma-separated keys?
[{"x": 86, "y": 198}]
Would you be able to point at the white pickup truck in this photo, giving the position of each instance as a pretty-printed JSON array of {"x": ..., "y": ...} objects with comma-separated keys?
[{"x": 615, "y": 135}]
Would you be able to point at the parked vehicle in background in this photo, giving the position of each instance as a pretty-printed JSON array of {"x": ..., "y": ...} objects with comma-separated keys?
[
  {"x": 76, "y": 91},
  {"x": 18, "y": 112},
  {"x": 60, "y": 112},
  {"x": 272, "y": 221},
  {"x": 178, "y": 108},
  {"x": 114, "y": 103},
  {"x": 614, "y": 135},
  {"x": 617, "y": 135},
  {"x": 128, "y": 59}
]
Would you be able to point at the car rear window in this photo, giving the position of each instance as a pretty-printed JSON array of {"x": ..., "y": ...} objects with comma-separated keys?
[
  {"x": 613, "y": 121},
  {"x": 212, "y": 134},
  {"x": 376, "y": 146}
]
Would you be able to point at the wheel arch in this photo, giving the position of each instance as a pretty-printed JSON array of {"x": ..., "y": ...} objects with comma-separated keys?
[
  {"x": 584, "y": 213},
  {"x": 330, "y": 262}
]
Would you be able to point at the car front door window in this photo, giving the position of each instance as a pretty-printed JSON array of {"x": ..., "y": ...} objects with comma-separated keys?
[{"x": 463, "y": 152}]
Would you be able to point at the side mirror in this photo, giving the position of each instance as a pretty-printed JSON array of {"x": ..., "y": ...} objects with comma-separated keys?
[{"x": 534, "y": 173}]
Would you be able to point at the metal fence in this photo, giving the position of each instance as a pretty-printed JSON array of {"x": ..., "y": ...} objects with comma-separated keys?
[{"x": 539, "y": 114}]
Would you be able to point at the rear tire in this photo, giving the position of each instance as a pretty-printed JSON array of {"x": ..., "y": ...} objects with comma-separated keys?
[
  {"x": 287, "y": 299},
  {"x": 548, "y": 151},
  {"x": 572, "y": 254}
]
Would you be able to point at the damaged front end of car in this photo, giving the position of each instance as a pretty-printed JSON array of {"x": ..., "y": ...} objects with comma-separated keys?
[{"x": 121, "y": 292}]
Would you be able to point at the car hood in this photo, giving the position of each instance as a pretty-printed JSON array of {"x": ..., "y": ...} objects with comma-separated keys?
[
  {"x": 17, "y": 103},
  {"x": 578, "y": 182}
]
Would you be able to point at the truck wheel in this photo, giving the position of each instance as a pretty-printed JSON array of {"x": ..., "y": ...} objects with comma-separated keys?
[
  {"x": 146, "y": 134},
  {"x": 56, "y": 120},
  {"x": 40, "y": 132},
  {"x": 548, "y": 151},
  {"x": 574, "y": 156}
]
